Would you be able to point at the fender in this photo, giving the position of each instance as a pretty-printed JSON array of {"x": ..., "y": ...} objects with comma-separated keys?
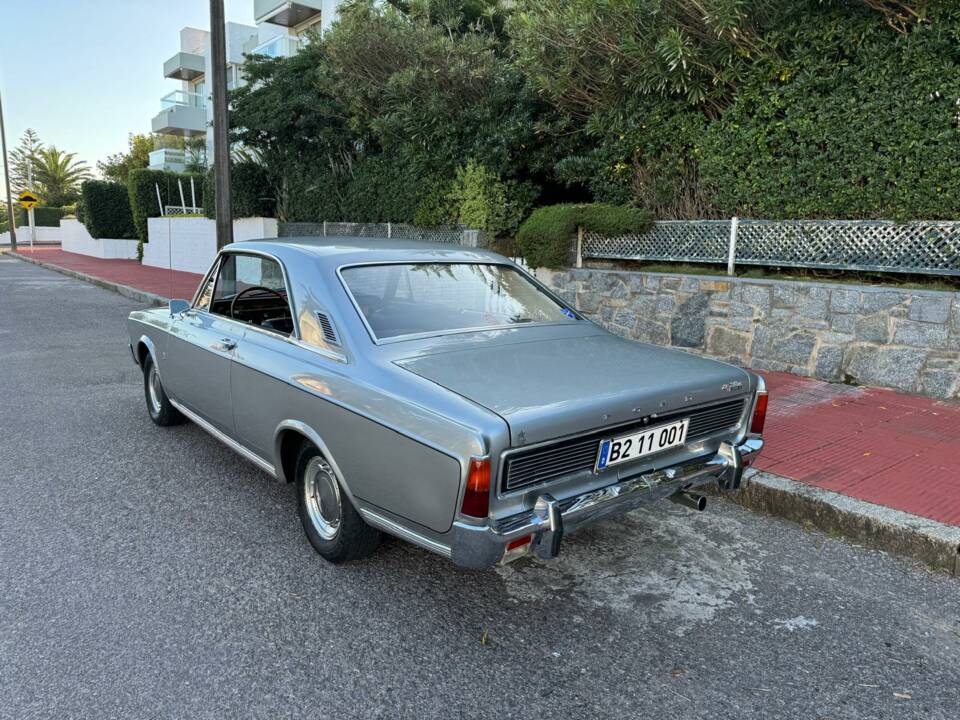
[
  {"x": 314, "y": 437},
  {"x": 151, "y": 349}
]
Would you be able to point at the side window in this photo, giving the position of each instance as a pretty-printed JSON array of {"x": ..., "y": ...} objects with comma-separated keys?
[
  {"x": 250, "y": 288},
  {"x": 206, "y": 290}
]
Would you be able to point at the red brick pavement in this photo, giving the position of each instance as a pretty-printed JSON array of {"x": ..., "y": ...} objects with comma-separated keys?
[
  {"x": 877, "y": 445},
  {"x": 167, "y": 283}
]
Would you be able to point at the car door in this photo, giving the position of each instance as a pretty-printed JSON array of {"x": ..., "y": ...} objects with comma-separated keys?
[{"x": 201, "y": 348}]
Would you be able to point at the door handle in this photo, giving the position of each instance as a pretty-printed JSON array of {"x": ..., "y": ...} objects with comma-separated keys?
[{"x": 224, "y": 345}]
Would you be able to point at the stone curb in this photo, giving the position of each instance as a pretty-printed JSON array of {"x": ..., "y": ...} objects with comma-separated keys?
[
  {"x": 125, "y": 290},
  {"x": 876, "y": 526}
]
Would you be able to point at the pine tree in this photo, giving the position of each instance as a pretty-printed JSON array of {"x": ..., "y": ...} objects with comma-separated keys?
[{"x": 20, "y": 158}]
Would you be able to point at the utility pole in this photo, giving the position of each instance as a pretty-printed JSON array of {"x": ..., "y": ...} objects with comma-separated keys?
[
  {"x": 221, "y": 132},
  {"x": 6, "y": 177},
  {"x": 33, "y": 227}
]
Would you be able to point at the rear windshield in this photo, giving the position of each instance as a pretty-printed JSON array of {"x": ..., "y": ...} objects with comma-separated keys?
[{"x": 423, "y": 298}]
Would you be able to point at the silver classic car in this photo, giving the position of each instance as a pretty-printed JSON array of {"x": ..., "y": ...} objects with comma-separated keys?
[{"x": 439, "y": 394}]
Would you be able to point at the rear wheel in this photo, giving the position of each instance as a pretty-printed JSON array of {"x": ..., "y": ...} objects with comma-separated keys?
[
  {"x": 161, "y": 410},
  {"x": 332, "y": 524}
]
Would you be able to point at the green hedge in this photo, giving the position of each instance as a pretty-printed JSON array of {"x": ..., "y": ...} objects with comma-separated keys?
[
  {"x": 42, "y": 216},
  {"x": 854, "y": 122},
  {"x": 142, "y": 188},
  {"x": 545, "y": 239},
  {"x": 251, "y": 192},
  {"x": 105, "y": 209}
]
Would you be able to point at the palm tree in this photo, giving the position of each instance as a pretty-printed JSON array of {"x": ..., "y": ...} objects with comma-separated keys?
[{"x": 57, "y": 175}]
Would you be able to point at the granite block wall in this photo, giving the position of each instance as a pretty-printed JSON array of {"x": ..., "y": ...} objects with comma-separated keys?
[{"x": 882, "y": 336}]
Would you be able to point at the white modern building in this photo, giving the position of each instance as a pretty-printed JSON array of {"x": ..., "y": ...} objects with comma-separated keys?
[{"x": 281, "y": 29}]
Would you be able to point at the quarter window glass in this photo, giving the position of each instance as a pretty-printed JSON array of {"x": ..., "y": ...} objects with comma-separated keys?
[{"x": 206, "y": 292}]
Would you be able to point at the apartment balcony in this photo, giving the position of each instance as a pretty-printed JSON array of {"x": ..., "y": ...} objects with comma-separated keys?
[
  {"x": 183, "y": 113},
  {"x": 184, "y": 66},
  {"x": 287, "y": 14},
  {"x": 172, "y": 159},
  {"x": 279, "y": 46}
]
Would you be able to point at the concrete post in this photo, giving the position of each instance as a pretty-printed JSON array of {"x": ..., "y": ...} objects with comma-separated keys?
[{"x": 732, "y": 251}]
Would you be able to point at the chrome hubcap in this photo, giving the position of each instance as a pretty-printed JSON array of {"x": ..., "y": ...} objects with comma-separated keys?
[
  {"x": 322, "y": 498},
  {"x": 155, "y": 388}
]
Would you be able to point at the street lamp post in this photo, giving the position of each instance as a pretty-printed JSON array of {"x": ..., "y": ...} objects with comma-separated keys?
[
  {"x": 221, "y": 135},
  {"x": 6, "y": 177}
]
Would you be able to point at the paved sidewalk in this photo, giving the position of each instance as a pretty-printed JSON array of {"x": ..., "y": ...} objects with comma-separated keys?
[
  {"x": 884, "y": 447},
  {"x": 165, "y": 283},
  {"x": 894, "y": 450}
]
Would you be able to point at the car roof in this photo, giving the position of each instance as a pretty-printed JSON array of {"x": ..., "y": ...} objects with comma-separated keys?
[{"x": 338, "y": 251}]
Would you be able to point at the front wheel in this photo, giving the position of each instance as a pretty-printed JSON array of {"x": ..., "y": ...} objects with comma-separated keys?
[
  {"x": 332, "y": 524},
  {"x": 161, "y": 410}
]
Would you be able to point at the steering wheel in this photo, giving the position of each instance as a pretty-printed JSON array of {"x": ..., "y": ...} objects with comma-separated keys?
[{"x": 243, "y": 292}]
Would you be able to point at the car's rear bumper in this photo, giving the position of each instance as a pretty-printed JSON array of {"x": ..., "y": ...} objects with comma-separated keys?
[{"x": 483, "y": 545}]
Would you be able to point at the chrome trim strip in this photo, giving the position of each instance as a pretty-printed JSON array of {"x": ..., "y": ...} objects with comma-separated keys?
[
  {"x": 226, "y": 439},
  {"x": 387, "y": 525}
]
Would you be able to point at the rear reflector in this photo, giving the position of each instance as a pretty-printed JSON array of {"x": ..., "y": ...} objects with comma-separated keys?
[
  {"x": 517, "y": 549},
  {"x": 476, "y": 498},
  {"x": 519, "y": 542},
  {"x": 759, "y": 413}
]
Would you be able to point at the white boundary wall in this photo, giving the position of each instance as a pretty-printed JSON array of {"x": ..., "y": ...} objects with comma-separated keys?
[
  {"x": 189, "y": 244},
  {"x": 45, "y": 234},
  {"x": 75, "y": 238}
]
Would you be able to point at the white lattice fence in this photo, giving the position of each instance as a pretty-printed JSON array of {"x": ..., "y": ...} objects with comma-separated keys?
[{"x": 914, "y": 247}]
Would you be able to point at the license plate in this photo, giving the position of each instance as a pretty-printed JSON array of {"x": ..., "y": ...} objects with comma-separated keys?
[{"x": 639, "y": 444}]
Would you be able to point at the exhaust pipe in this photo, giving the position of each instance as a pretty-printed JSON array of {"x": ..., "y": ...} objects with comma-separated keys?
[{"x": 690, "y": 500}]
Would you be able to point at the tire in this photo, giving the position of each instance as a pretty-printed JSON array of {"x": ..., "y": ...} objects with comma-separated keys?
[
  {"x": 161, "y": 411},
  {"x": 333, "y": 526}
]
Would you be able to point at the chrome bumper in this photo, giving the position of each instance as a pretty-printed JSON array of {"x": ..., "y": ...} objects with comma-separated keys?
[{"x": 549, "y": 519}]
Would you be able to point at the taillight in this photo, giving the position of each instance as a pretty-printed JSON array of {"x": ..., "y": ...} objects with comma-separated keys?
[
  {"x": 476, "y": 498},
  {"x": 759, "y": 413}
]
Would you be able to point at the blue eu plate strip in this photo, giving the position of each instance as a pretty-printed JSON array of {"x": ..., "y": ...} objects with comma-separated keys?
[{"x": 604, "y": 454}]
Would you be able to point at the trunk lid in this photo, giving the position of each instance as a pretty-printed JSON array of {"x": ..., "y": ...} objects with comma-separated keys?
[{"x": 550, "y": 388}]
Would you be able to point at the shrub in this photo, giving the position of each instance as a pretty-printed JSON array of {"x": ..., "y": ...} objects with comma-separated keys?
[
  {"x": 546, "y": 237},
  {"x": 142, "y": 187},
  {"x": 251, "y": 192},
  {"x": 481, "y": 200},
  {"x": 105, "y": 209},
  {"x": 381, "y": 189},
  {"x": 42, "y": 216},
  {"x": 435, "y": 207}
]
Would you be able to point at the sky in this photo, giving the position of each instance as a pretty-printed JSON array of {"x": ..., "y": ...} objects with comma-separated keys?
[{"x": 86, "y": 74}]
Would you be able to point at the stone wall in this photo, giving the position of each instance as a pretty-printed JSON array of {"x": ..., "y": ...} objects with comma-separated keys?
[{"x": 883, "y": 336}]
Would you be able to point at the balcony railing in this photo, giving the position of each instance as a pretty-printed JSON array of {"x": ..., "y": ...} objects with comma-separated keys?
[
  {"x": 184, "y": 66},
  {"x": 280, "y": 46},
  {"x": 182, "y": 98},
  {"x": 168, "y": 159}
]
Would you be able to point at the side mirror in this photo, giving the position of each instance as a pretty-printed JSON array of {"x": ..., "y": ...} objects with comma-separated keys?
[{"x": 178, "y": 306}]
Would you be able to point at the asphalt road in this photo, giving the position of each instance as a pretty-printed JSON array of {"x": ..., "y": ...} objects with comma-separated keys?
[{"x": 150, "y": 573}]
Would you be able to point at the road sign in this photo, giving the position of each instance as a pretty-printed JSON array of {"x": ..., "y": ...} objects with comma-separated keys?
[{"x": 28, "y": 199}]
